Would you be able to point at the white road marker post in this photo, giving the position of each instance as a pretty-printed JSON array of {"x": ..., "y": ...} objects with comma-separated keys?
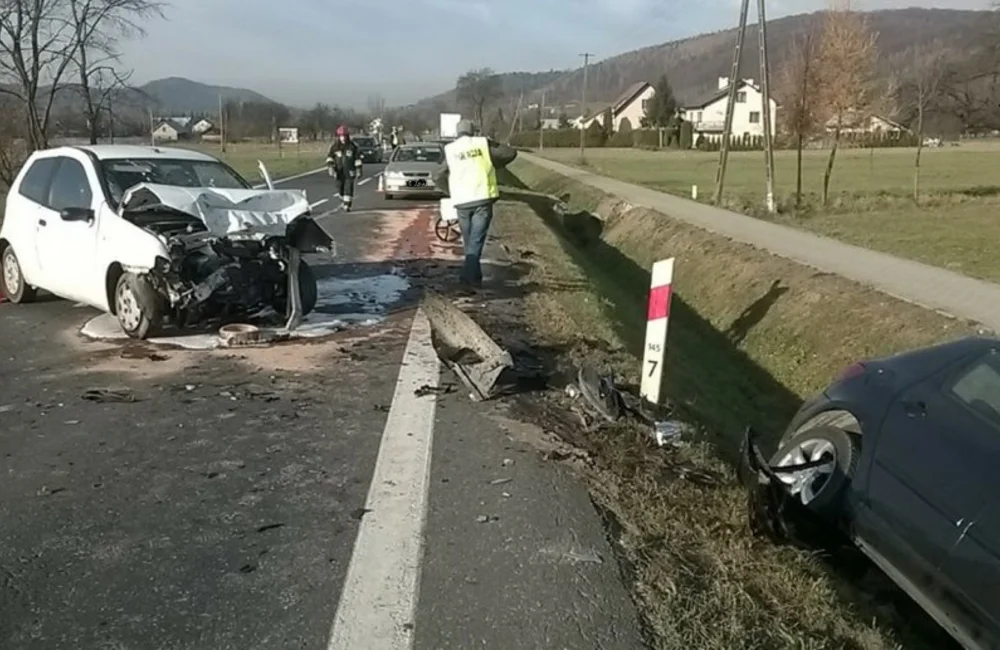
[{"x": 657, "y": 318}]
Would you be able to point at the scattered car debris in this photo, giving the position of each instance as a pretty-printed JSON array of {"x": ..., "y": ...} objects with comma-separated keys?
[
  {"x": 668, "y": 431},
  {"x": 265, "y": 528},
  {"x": 443, "y": 389},
  {"x": 108, "y": 395},
  {"x": 600, "y": 393},
  {"x": 485, "y": 519},
  {"x": 359, "y": 513},
  {"x": 773, "y": 512},
  {"x": 500, "y": 481},
  {"x": 464, "y": 347},
  {"x": 6, "y": 408}
]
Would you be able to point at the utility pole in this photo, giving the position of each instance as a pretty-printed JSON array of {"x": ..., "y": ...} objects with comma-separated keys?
[
  {"x": 583, "y": 104},
  {"x": 765, "y": 113},
  {"x": 720, "y": 174},
  {"x": 541, "y": 124},
  {"x": 152, "y": 128},
  {"x": 222, "y": 125}
]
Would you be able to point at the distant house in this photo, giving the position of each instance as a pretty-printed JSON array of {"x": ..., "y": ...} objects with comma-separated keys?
[
  {"x": 707, "y": 114},
  {"x": 202, "y": 126},
  {"x": 856, "y": 124},
  {"x": 170, "y": 130},
  {"x": 630, "y": 105},
  {"x": 550, "y": 123}
]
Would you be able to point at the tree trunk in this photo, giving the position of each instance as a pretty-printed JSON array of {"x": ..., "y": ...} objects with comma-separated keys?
[
  {"x": 798, "y": 171},
  {"x": 829, "y": 165},
  {"x": 916, "y": 160}
]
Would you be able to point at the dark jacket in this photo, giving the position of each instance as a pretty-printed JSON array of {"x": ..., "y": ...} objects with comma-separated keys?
[
  {"x": 500, "y": 155},
  {"x": 345, "y": 158}
]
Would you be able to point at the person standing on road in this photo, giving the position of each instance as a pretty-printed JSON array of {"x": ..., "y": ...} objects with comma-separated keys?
[
  {"x": 469, "y": 176},
  {"x": 395, "y": 139},
  {"x": 344, "y": 161}
]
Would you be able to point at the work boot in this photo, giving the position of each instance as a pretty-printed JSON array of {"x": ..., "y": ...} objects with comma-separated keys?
[{"x": 347, "y": 207}]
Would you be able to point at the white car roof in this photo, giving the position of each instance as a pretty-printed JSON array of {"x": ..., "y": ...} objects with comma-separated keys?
[{"x": 116, "y": 151}]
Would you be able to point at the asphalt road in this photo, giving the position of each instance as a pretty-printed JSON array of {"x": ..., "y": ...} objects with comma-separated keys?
[{"x": 327, "y": 494}]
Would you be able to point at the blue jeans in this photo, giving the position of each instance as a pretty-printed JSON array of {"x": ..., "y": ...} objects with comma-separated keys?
[{"x": 474, "y": 222}]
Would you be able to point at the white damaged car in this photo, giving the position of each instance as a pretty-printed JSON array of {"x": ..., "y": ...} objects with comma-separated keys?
[{"x": 156, "y": 236}]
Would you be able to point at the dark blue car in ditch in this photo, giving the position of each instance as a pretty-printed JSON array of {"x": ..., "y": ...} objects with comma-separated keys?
[{"x": 903, "y": 454}]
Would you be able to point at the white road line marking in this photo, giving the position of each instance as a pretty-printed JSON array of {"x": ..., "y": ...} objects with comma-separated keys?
[
  {"x": 318, "y": 203},
  {"x": 378, "y": 603},
  {"x": 366, "y": 180},
  {"x": 278, "y": 181}
]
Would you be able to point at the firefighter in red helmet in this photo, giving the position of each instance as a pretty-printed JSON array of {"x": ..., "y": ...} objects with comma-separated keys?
[{"x": 344, "y": 161}]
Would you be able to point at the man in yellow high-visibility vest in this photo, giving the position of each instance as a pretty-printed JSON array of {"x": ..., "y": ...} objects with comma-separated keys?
[{"x": 470, "y": 178}]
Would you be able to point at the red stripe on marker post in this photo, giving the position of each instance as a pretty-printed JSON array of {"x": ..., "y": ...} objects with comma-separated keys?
[{"x": 659, "y": 302}]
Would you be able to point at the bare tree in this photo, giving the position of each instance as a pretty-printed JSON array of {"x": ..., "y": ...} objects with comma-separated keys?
[
  {"x": 798, "y": 85},
  {"x": 477, "y": 89},
  {"x": 97, "y": 26},
  {"x": 847, "y": 74},
  {"x": 921, "y": 93},
  {"x": 36, "y": 48}
]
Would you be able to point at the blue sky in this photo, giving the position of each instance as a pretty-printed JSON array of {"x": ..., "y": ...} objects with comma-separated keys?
[{"x": 339, "y": 51}]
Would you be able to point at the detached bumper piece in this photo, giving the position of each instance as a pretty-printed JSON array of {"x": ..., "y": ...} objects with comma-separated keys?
[
  {"x": 464, "y": 347},
  {"x": 773, "y": 513}
]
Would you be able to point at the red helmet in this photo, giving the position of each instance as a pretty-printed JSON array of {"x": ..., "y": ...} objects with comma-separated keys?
[{"x": 342, "y": 130}]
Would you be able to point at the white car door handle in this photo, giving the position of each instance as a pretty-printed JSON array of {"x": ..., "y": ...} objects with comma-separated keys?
[{"x": 42, "y": 222}]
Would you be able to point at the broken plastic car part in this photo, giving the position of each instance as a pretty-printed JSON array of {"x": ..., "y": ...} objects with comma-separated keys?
[{"x": 464, "y": 347}]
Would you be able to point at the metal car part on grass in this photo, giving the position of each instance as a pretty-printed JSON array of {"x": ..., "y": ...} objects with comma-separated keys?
[{"x": 464, "y": 347}]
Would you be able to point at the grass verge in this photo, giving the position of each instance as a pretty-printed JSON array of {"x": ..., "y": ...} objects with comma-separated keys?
[
  {"x": 750, "y": 335},
  {"x": 872, "y": 203},
  {"x": 289, "y": 161}
]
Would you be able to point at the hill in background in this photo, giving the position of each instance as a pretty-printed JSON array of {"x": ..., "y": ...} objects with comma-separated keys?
[
  {"x": 179, "y": 95},
  {"x": 695, "y": 64}
]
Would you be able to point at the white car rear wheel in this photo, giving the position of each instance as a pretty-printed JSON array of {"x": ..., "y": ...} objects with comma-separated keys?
[
  {"x": 12, "y": 281},
  {"x": 137, "y": 306}
]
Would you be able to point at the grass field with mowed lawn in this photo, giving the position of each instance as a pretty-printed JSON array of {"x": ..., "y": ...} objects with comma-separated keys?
[
  {"x": 955, "y": 225},
  {"x": 290, "y": 160}
]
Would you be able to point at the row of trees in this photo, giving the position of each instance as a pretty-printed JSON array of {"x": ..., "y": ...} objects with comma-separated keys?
[{"x": 835, "y": 80}]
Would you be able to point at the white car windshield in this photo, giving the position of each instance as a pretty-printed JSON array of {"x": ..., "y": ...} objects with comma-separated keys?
[
  {"x": 418, "y": 154},
  {"x": 123, "y": 173}
]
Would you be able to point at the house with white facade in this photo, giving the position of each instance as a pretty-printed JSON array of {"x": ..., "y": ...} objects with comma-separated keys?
[
  {"x": 630, "y": 105},
  {"x": 707, "y": 114},
  {"x": 169, "y": 130},
  {"x": 202, "y": 126}
]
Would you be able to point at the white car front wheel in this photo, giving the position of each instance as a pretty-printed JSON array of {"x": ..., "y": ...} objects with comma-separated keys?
[
  {"x": 137, "y": 306},
  {"x": 12, "y": 283}
]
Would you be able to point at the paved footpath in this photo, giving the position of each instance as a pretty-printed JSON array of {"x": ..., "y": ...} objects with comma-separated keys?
[
  {"x": 307, "y": 495},
  {"x": 925, "y": 285}
]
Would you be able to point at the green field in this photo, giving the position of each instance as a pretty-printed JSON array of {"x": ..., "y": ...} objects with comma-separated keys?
[
  {"x": 289, "y": 161},
  {"x": 954, "y": 226}
]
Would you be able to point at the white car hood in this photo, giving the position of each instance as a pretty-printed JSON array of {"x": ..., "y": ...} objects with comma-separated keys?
[{"x": 230, "y": 211}]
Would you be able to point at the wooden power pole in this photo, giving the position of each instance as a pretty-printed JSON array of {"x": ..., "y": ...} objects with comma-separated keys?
[
  {"x": 222, "y": 125},
  {"x": 720, "y": 175},
  {"x": 727, "y": 130},
  {"x": 765, "y": 111},
  {"x": 541, "y": 124},
  {"x": 583, "y": 104}
]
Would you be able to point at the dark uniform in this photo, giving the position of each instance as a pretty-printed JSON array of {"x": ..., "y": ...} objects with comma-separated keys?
[{"x": 345, "y": 159}]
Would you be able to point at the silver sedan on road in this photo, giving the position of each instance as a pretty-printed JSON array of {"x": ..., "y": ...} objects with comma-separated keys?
[{"x": 410, "y": 172}]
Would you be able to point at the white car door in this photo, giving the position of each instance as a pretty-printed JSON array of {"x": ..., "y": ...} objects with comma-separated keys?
[{"x": 67, "y": 233}]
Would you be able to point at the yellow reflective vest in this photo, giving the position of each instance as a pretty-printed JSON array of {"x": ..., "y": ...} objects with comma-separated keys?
[{"x": 471, "y": 176}]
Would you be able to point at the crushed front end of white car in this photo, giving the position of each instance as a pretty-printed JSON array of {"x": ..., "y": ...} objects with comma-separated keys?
[{"x": 225, "y": 253}]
